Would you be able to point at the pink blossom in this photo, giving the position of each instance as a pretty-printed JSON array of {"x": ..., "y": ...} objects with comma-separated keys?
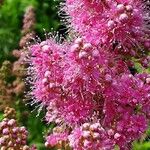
[
  {"x": 85, "y": 83},
  {"x": 130, "y": 128},
  {"x": 122, "y": 23},
  {"x": 77, "y": 87},
  {"x": 46, "y": 69},
  {"x": 53, "y": 140}
]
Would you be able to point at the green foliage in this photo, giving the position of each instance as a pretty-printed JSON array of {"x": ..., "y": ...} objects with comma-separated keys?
[
  {"x": 142, "y": 146},
  {"x": 11, "y": 15}
]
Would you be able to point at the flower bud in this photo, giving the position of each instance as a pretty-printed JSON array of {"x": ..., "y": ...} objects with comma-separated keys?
[
  {"x": 3, "y": 148},
  {"x": 110, "y": 132},
  {"x": 120, "y": 7},
  {"x": 147, "y": 80},
  {"x": 5, "y": 131},
  {"x": 129, "y": 8},
  {"x": 117, "y": 135},
  {"x": 147, "y": 44},
  {"x": 86, "y": 143},
  {"x": 83, "y": 54},
  {"x": 46, "y": 48},
  {"x": 51, "y": 85},
  {"x": 10, "y": 143},
  {"x": 12, "y": 122},
  {"x": 15, "y": 130},
  {"x": 86, "y": 126},
  {"x": 94, "y": 126},
  {"x": 45, "y": 81},
  {"x": 22, "y": 129},
  {"x": 46, "y": 144},
  {"x": 123, "y": 17},
  {"x": 96, "y": 135},
  {"x": 111, "y": 24},
  {"x": 75, "y": 48},
  {"x": 47, "y": 74},
  {"x": 43, "y": 43},
  {"x": 2, "y": 141},
  {"x": 79, "y": 41},
  {"x": 87, "y": 46},
  {"x": 25, "y": 147},
  {"x": 86, "y": 134}
]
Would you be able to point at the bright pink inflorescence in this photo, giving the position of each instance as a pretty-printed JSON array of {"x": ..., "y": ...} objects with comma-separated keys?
[
  {"x": 88, "y": 89},
  {"x": 118, "y": 25}
]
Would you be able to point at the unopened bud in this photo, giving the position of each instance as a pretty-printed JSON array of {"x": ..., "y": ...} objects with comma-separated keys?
[
  {"x": 83, "y": 54},
  {"x": 117, "y": 135},
  {"x": 86, "y": 134},
  {"x": 111, "y": 24},
  {"x": 87, "y": 46},
  {"x": 75, "y": 48},
  {"x": 46, "y": 48},
  {"x": 79, "y": 41},
  {"x": 120, "y": 8},
  {"x": 123, "y": 17},
  {"x": 129, "y": 8},
  {"x": 47, "y": 73}
]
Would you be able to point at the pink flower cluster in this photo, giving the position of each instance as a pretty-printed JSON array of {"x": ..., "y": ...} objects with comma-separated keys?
[
  {"x": 118, "y": 25},
  {"x": 87, "y": 88}
]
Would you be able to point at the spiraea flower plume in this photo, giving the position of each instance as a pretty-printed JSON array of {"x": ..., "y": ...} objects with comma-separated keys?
[
  {"x": 95, "y": 101},
  {"x": 119, "y": 25}
]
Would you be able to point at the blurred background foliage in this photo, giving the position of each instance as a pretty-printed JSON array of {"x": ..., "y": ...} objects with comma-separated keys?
[
  {"x": 11, "y": 16},
  {"x": 11, "y": 25}
]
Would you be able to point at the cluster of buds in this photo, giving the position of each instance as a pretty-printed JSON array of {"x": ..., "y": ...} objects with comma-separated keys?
[
  {"x": 123, "y": 13},
  {"x": 90, "y": 133},
  {"x": 12, "y": 136},
  {"x": 19, "y": 66},
  {"x": 29, "y": 20},
  {"x": 5, "y": 70},
  {"x": 83, "y": 50},
  {"x": 10, "y": 113},
  {"x": 28, "y": 26},
  {"x": 90, "y": 136},
  {"x": 58, "y": 139},
  {"x": 145, "y": 62},
  {"x": 9, "y": 87},
  {"x": 5, "y": 86},
  {"x": 27, "y": 35}
]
